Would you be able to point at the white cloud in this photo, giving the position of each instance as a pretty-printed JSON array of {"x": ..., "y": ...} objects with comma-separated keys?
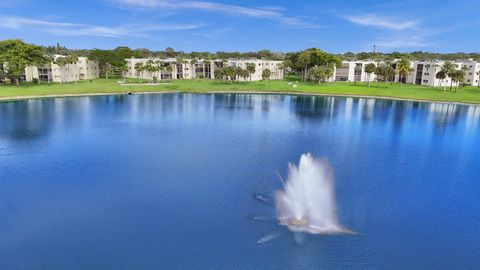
[
  {"x": 275, "y": 13},
  {"x": 382, "y": 22},
  {"x": 402, "y": 42},
  {"x": 214, "y": 33},
  {"x": 76, "y": 29}
]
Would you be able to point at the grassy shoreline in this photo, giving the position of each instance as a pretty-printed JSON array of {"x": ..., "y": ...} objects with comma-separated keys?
[{"x": 467, "y": 95}]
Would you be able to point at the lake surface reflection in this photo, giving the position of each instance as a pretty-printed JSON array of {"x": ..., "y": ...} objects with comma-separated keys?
[{"x": 166, "y": 182}]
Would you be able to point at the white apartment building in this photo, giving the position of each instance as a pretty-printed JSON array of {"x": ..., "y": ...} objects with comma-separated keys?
[
  {"x": 471, "y": 69},
  {"x": 83, "y": 69},
  {"x": 423, "y": 72},
  {"x": 352, "y": 71},
  {"x": 192, "y": 69},
  {"x": 274, "y": 66}
]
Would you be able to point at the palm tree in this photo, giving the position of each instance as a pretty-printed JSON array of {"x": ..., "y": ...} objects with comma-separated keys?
[
  {"x": 169, "y": 70},
  {"x": 357, "y": 70},
  {"x": 123, "y": 68},
  {"x": 369, "y": 69},
  {"x": 458, "y": 76},
  {"x": 150, "y": 68},
  {"x": 219, "y": 74},
  {"x": 403, "y": 68},
  {"x": 238, "y": 73},
  {"x": 449, "y": 70},
  {"x": 266, "y": 73},
  {"x": 380, "y": 72},
  {"x": 251, "y": 69},
  {"x": 61, "y": 62},
  {"x": 139, "y": 68},
  {"x": 230, "y": 72},
  {"x": 244, "y": 73},
  {"x": 441, "y": 75},
  {"x": 390, "y": 73}
]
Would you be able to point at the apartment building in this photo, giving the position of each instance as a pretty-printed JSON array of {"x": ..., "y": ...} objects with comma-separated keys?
[
  {"x": 274, "y": 66},
  {"x": 423, "y": 72},
  {"x": 87, "y": 69},
  {"x": 352, "y": 71},
  {"x": 83, "y": 69},
  {"x": 472, "y": 69},
  {"x": 172, "y": 68}
]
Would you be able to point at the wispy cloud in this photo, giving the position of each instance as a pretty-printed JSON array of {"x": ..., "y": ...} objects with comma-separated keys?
[
  {"x": 402, "y": 42},
  {"x": 271, "y": 13},
  {"x": 382, "y": 22},
  {"x": 77, "y": 29},
  {"x": 214, "y": 33}
]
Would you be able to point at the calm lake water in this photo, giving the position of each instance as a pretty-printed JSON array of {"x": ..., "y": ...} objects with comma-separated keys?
[{"x": 168, "y": 182}]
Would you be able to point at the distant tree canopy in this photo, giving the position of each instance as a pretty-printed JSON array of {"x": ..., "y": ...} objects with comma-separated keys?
[
  {"x": 304, "y": 61},
  {"x": 417, "y": 55},
  {"x": 16, "y": 55},
  {"x": 169, "y": 52}
]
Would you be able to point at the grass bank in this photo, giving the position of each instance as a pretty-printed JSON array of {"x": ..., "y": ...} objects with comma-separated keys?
[{"x": 101, "y": 86}]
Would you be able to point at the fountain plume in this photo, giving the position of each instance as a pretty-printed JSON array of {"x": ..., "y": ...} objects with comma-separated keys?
[{"x": 307, "y": 202}]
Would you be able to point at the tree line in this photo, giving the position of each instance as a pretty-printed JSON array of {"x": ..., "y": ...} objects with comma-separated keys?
[
  {"x": 311, "y": 64},
  {"x": 232, "y": 74}
]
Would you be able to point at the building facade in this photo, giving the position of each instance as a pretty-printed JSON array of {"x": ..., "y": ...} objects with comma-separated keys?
[
  {"x": 422, "y": 72},
  {"x": 353, "y": 71},
  {"x": 83, "y": 69},
  {"x": 173, "y": 68}
]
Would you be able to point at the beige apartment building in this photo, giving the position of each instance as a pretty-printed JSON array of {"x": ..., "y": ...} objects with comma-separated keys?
[
  {"x": 173, "y": 68},
  {"x": 83, "y": 69}
]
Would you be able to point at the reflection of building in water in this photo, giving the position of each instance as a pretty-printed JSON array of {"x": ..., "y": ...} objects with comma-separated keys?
[
  {"x": 472, "y": 118},
  {"x": 348, "y": 109},
  {"x": 369, "y": 108},
  {"x": 234, "y": 102},
  {"x": 443, "y": 114},
  {"x": 314, "y": 106}
]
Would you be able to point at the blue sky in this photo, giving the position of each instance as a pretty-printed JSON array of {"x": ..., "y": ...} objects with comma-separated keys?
[{"x": 285, "y": 25}]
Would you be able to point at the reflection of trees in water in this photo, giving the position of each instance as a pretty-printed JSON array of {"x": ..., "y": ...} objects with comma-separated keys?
[
  {"x": 29, "y": 120},
  {"x": 26, "y": 120},
  {"x": 400, "y": 112},
  {"x": 383, "y": 109},
  {"x": 246, "y": 101},
  {"x": 315, "y": 106},
  {"x": 234, "y": 101},
  {"x": 33, "y": 119},
  {"x": 444, "y": 115},
  {"x": 473, "y": 118}
]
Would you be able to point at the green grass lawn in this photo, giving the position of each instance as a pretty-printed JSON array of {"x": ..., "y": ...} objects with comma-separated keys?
[{"x": 100, "y": 86}]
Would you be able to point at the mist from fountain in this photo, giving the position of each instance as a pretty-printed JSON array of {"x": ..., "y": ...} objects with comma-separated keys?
[{"x": 307, "y": 203}]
